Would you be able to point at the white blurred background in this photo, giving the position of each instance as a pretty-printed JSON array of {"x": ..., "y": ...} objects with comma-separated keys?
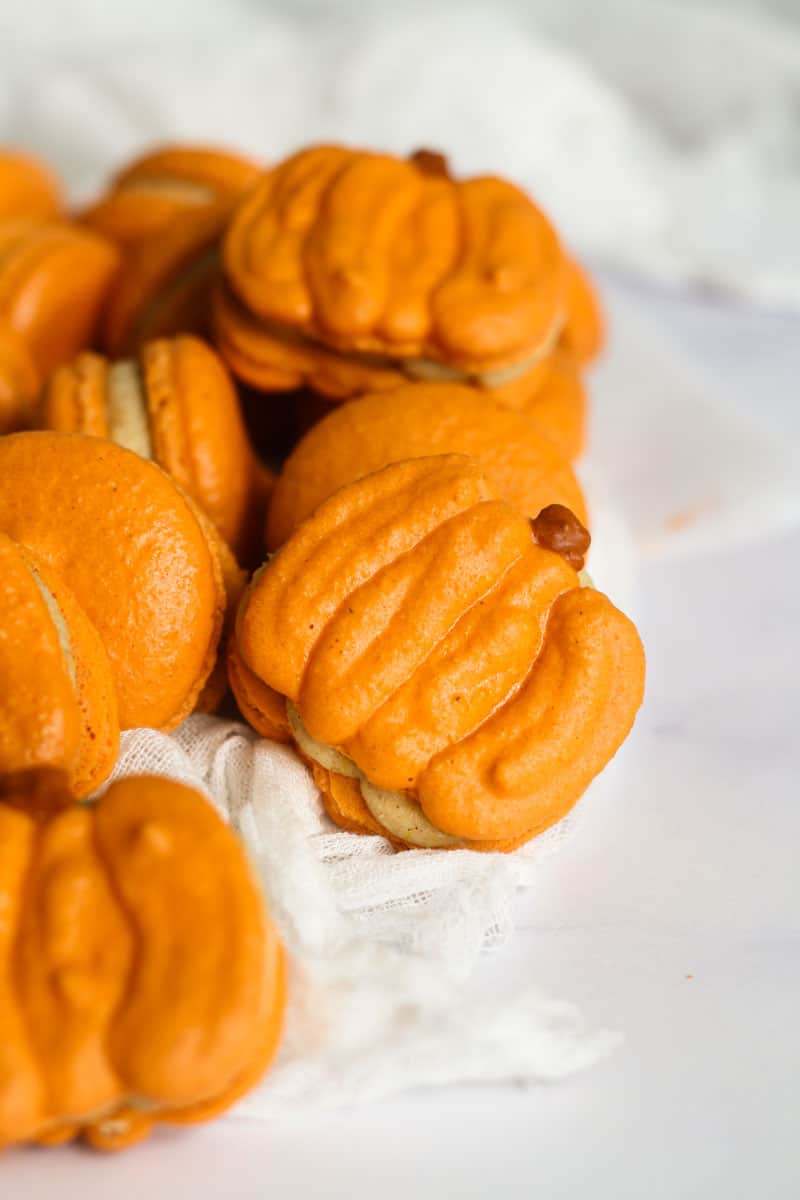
[{"x": 663, "y": 135}]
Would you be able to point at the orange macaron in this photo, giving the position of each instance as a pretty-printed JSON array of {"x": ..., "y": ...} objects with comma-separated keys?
[
  {"x": 175, "y": 404},
  {"x": 415, "y": 421},
  {"x": 129, "y": 545},
  {"x": 58, "y": 703},
  {"x": 166, "y": 284},
  {"x": 143, "y": 977},
  {"x": 453, "y": 678},
  {"x": 54, "y": 280},
  {"x": 163, "y": 185},
  {"x": 28, "y": 189}
]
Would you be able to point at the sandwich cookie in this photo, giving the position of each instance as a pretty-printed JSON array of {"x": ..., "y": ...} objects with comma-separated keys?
[
  {"x": 143, "y": 978},
  {"x": 440, "y": 662},
  {"x": 173, "y": 403},
  {"x": 344, "y": 268},
  {"x": 129, "y": 545}
]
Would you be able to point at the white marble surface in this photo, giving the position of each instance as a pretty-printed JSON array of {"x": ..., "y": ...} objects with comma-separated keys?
[{"x": 675, "y": 915}]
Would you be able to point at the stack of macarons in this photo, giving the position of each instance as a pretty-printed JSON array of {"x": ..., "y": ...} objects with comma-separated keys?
[{"x": 306, "y": 432}]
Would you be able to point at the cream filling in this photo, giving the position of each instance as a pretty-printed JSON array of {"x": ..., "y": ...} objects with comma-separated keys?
[
  {"x": 183, "y": 190},
  {"x": 397, "y": 812},
  {"x": 325, "y": 756},
  {"x": 435, "y": 372},
  {"x": 57, "y": 617},
  {"x": 403, "y": 818},
  {"x": 399, "y": 815},
  {"x": 126, "y": 408}
]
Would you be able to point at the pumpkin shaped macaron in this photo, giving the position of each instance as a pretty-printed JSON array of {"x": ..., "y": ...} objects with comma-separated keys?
[
  {"x": 19, "y": 382},
  {"x": 415, "y": 421},
  {"x": 28, "y": 189},
  {"x": 54, "y": 280},
  {"x": 165, "y": 287},
  {"x": 343, "y": 267},
  {"x": 164, "y": 184},
  {"x": 441, "y": 664},
  {"x": 148, "y": 981},
  {"x": 173, "y": 403},
  {"x": 58, "y": 704},
  {"x": 130, "y": 546}
]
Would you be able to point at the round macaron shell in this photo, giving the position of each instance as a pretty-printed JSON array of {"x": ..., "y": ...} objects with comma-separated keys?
[
  {"x": 129, "y": 546},
  {"x": 74, "y": 397},
  {"x": 197, "y": 431},
  {"x": 416, "y": 421}
]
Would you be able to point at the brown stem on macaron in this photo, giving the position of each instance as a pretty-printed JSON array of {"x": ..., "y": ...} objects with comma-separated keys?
[
  {"x": 557, "y": 528},
  {"x": 431, "y": 162}
]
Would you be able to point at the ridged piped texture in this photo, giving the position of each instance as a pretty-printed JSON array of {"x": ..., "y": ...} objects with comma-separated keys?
[
  {"x": 367, "y": 253},
  {"x": 418, "y": 627},
  {"x": 142, "y": 979}
]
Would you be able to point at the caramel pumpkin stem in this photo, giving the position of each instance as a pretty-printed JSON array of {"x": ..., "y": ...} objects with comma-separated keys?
[
  {"x": 557, "y": 528},
  {"x": 431, "y": 162}
]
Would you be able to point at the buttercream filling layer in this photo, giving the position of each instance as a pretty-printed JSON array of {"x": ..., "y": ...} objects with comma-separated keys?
[
  {"x": 398, "y": 813},
  {"x": 428, "y": 369},
  {"x": 62, "y": 630},
  {"x": 126, "y": 408}
]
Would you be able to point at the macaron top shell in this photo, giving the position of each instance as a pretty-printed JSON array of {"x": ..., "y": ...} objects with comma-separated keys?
[
  {"x": 54, "y": 280},
  {"x": 415, "y": 421},
  {"x": 370, "y": 253},
  {"x": 27, "y": 187},
  {"x": 156, "y": 188},
  {"x": 127, "y": 543}
]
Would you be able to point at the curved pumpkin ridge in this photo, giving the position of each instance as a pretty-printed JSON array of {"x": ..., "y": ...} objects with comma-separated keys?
[
  {"x": 23, "y": 1097},
  {"x": 19, "y": 382},
  {"x": 73, "y": 959},
  {"x": 179, "y": 869},
  {"x": 389, "y": 626},
  {"x": 263, "y": 249},
  {"x": 529, "y": 763},
  {"x": 584, "y": 329},
  {"x": 467, "y": 675},
  {"x": 347, "y": 255},
  {"x": 506, "y": 294},
  {"x": 351, "y": 537}
]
